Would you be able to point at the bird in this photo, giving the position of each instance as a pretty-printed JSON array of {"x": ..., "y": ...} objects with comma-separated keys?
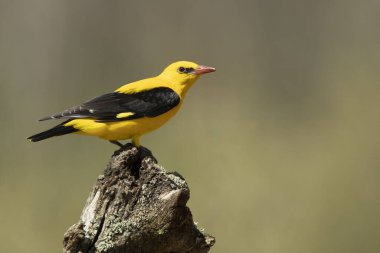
[{"x": 132, "y": 110}]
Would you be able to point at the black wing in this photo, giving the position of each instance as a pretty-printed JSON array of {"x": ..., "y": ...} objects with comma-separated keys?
[{"x": 106, "y": 108}]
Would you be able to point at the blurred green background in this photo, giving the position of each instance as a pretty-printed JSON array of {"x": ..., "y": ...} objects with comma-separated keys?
[{"x": 280, "y": 147}]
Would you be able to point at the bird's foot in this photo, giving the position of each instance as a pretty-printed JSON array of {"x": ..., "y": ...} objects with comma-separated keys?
[{"x": 145, "y": 152}]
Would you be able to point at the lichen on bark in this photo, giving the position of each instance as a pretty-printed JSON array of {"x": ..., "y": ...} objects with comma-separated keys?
[{"x": 136, "y": 206}]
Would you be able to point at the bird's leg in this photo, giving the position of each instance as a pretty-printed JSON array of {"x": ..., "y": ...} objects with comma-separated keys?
[
  {"x": 144, "y": 152},
  {"x": 136, "y": 141},
  {"x": 117, "y": 143}
]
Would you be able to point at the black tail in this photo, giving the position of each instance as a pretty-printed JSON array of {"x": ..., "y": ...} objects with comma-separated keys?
[{"x": 55, "y": 131}]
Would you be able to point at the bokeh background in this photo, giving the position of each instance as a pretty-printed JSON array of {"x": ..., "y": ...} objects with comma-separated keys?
[{"x": 280, "y": 146}]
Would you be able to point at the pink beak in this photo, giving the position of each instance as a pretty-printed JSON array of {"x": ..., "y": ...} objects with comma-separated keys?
[{"x": 200, "y": 70}]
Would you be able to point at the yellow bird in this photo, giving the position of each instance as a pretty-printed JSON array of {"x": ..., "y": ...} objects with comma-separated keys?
[{"x": 132, "y": 110}]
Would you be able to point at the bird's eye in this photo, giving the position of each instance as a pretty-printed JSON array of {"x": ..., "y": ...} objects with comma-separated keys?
[{"x": 181, "y": 70}]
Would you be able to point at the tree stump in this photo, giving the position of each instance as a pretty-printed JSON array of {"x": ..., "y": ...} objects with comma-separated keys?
[{"x": 137, "y": 207}]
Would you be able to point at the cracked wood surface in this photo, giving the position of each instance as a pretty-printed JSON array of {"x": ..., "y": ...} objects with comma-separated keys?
[{"x": 136, "y": 206}]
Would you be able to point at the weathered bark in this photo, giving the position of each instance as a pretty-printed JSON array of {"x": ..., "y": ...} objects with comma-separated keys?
[{"x": 136, "y": 206}]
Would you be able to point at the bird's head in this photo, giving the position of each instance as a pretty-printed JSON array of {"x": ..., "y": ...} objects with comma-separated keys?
[{"x": 185, "y": 72}]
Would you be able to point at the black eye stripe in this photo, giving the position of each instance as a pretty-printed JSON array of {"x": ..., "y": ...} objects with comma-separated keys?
[{"x": 185, "y": 70}]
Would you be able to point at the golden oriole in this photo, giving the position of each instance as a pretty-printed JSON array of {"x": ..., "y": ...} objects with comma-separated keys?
[{"x": 132, "y": 110}]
